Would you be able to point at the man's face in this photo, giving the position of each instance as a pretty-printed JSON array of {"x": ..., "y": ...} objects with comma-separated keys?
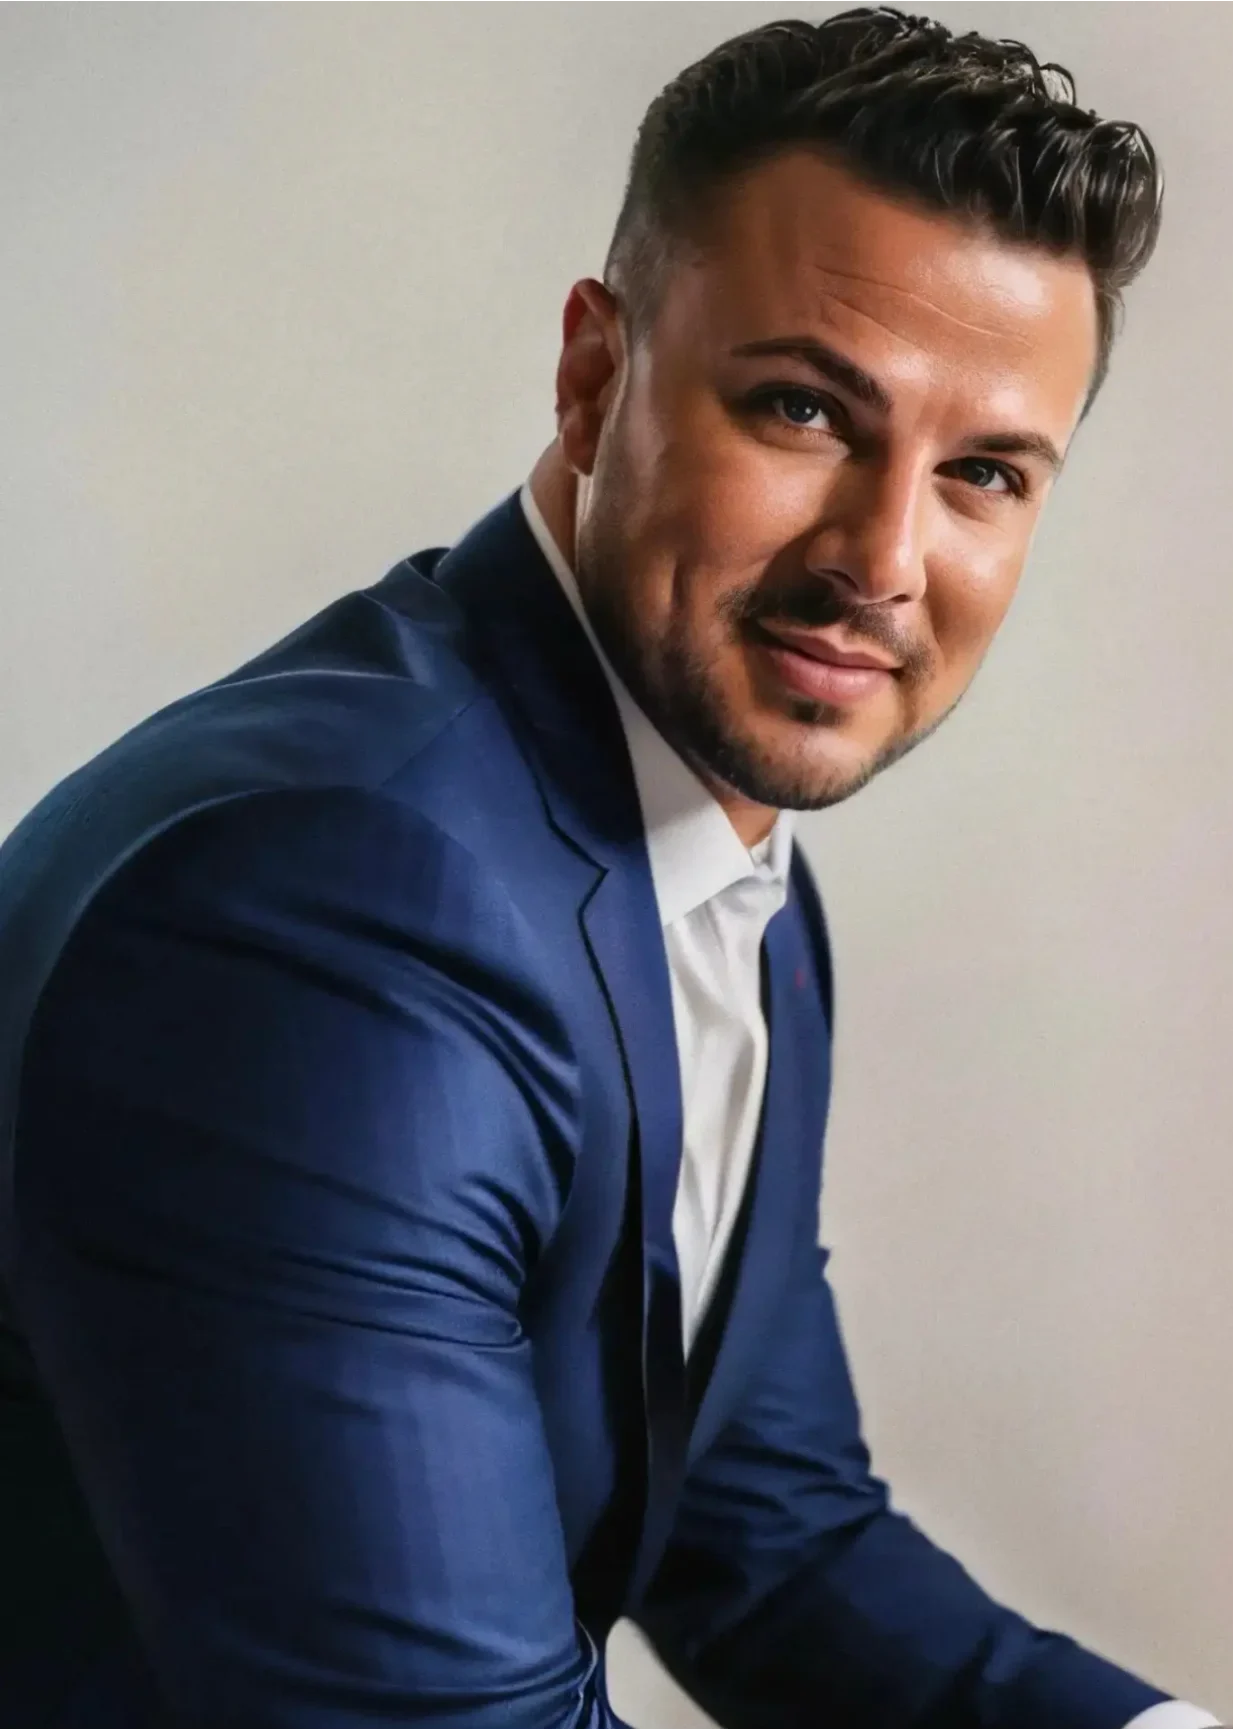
[{"x": 832, "y": 441}]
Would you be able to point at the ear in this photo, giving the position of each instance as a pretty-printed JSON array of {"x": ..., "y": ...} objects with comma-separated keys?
[{"x": 592, "y": 355}]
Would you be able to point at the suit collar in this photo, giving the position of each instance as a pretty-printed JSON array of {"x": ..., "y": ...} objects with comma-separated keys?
[
  {"x": 695, "y": 852},
  {"x": 523, "y": 630}
]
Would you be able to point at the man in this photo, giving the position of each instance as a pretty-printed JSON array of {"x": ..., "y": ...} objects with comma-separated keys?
[{"x": 415, "y": 1048}]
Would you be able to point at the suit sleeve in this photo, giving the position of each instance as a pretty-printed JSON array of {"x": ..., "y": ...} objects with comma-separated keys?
[
  {"x": 793, "y": 1594},
  {"x": 295, "y": 1120}
]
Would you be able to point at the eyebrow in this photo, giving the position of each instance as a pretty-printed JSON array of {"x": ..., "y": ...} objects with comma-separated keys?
[
  {"x": 832, "y": 365},
  {"x": 1016, "y": 445},
  {"x": 867, "y": 391}
]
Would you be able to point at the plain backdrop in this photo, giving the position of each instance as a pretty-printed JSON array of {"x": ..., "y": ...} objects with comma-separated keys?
[{"x": 280, "y": 303}]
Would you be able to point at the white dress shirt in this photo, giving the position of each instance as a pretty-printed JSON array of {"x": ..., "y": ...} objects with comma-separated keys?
[
  {"x": 1172, "y": 1716},
  {"x": 715, "y": 900}
]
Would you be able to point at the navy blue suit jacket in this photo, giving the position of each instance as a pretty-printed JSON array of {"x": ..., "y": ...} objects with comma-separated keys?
[{"x": 341, "y": 1373}]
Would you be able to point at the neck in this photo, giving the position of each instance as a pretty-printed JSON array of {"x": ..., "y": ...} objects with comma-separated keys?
[{"x": 555, "y": 489}]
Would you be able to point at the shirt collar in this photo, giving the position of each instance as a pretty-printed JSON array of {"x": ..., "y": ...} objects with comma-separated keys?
[{"x": 695, "y": 853}]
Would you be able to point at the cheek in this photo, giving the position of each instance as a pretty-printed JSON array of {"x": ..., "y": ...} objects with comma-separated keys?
[
  {"x": 721, "y": 500},
  {"x": 966, "y": 605}
]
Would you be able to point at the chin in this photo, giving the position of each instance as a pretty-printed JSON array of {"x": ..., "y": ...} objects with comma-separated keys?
[
  {"x": 797, "y": 777},
  {"x": 803, "y": 758}
]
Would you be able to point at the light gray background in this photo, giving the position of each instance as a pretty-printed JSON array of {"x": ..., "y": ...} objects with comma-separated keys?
[{"x": 279, "y": 303}]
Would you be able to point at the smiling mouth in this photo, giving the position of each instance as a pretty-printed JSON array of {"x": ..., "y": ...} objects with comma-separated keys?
[
  {"x": 803, "y": 641},
  {"x": 820, "y": 671}
]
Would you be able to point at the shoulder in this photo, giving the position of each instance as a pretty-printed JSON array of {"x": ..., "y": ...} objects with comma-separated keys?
[
  {"x": 351, "y": 699},
  {"x": 272, "y": 789}
]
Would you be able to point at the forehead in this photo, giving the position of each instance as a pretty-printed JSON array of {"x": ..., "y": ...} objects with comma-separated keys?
[{"x": 929, "y": 304}]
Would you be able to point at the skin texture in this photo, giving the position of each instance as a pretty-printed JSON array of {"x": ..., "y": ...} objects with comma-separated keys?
[{"x": 707, "y": 498}]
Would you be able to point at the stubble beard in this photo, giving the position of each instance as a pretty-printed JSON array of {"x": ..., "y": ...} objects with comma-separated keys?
[{"x": 678, "y": 698}]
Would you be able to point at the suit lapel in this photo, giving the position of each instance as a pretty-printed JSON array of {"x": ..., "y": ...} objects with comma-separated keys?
[
  {"x": 782, "y": 1182},
  {"x": 526, "y": 631},
  {"x": 622, "y": 926}
]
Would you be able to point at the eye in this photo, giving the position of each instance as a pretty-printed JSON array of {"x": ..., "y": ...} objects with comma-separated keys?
[
  {"x": 989, "y": 477},
  {"x": 795, "y": 406}
]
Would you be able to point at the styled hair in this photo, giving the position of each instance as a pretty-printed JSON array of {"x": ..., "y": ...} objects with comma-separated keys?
[{"x": 970, "y": 127}]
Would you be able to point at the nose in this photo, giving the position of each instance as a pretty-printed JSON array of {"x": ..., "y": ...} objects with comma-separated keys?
[{"x": 870, "y": 533}]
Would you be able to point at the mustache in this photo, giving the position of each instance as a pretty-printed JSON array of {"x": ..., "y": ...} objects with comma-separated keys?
[{"x": 814, "y": 604}]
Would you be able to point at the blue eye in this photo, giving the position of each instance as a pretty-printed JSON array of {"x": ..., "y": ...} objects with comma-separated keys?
[
  {"x": 983, "y": 474},
  {"x": 795, "y": 407},
  {"x": 800, "y": 408}
]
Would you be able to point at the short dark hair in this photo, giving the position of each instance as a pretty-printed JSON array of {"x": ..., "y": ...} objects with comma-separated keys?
[{"x": 972, "y": 127}]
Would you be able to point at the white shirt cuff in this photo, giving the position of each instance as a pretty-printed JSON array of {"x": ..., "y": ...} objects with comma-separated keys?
[{"x": 1172, "y": 1716}]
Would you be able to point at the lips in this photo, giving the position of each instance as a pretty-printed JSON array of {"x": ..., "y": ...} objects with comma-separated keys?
[
  {"x": 819, "y": 648},
  {"x": 812, "y": 667}
]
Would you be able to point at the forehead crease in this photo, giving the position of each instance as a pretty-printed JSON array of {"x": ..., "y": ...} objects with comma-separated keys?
[
  {"x": 1000, "y": 334},
  {"x": 955, "y": 278}
]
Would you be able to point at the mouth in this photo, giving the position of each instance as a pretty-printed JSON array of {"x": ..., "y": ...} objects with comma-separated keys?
[{"x": 813, "y": 666}]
